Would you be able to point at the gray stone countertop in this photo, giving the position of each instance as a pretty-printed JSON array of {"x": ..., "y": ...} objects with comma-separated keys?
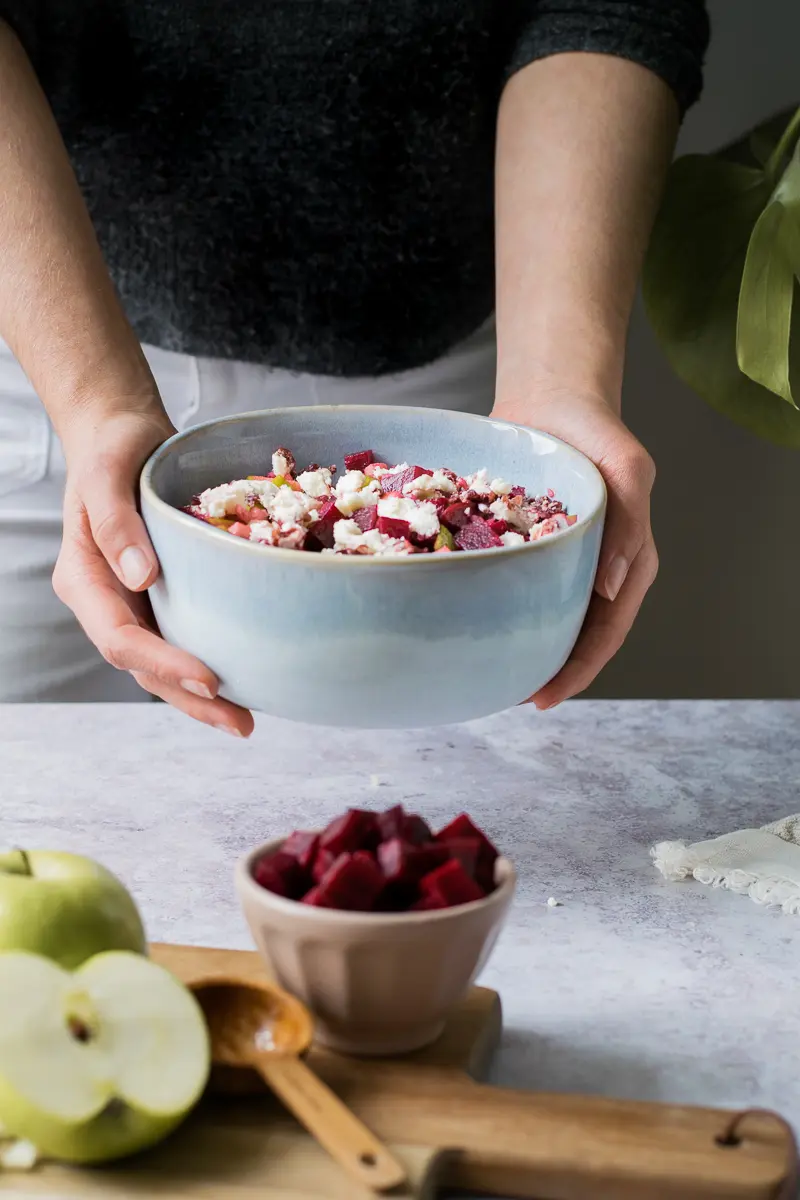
[{"x": 633, "y": 987}]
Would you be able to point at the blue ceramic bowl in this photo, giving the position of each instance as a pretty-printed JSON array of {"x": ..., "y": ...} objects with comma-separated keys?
[{"x": 371, "y": 642}]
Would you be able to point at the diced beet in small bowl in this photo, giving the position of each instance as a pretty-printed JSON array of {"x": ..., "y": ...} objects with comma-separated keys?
[{"x": 378, "y": 924}]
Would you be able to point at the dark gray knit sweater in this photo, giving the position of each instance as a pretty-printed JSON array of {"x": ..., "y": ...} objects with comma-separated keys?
[{"x": 308, "y": 183}]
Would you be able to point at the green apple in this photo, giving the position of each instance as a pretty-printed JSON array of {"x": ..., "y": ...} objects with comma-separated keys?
[
  {"x": 98, "y": 1063},
  {"x": 65, "y": 907}
]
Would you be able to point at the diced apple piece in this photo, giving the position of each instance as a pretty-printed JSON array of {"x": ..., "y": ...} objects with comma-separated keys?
[
  {"x": 444, "y": 539},
  {"x": 240, "y": 529}
]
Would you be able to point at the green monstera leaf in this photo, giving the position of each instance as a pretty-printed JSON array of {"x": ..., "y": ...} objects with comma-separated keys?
[{"x": 721, "y": 273}]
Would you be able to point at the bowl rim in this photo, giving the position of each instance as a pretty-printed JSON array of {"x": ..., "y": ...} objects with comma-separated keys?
[
  {"x": 243, "y": 874},
  {"x": 368, "y": 561}
]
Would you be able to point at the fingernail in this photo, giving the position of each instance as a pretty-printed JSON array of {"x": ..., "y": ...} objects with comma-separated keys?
[
  {"x": 231, "y": 729},
  {"x": 197, "y": 688},
  {"x": 135, "y": 567},
  {"x": 615, "y": 578}
]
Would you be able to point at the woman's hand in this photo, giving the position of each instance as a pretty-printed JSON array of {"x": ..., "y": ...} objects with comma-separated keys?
[
  {"x": 628, "y": 559},
  {"x": 107, "y": 562}
]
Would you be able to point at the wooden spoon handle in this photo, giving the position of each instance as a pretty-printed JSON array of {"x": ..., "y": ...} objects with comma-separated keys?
[{"x": 333, "y": 1125}]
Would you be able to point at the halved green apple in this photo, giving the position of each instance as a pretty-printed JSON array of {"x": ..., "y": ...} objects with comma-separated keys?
[{"x": 98, "y": 1063}]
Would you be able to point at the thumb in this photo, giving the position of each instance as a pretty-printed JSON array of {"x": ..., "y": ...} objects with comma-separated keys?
[
  {"x": 118, "y": 530},
  {"x": 629, "y": 480}
]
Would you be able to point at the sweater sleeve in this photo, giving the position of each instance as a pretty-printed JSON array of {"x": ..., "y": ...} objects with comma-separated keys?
[{"x": 669, "y": 37}]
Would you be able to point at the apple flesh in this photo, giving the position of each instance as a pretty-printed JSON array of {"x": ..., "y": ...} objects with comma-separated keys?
[
  {"x": 65, "y": 907},
  {"x": 98, "y": 1063}
]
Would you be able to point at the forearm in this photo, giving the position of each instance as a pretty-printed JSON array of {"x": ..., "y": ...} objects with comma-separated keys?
[
  {"x": 59, "y": 311},
  {"x": 584, "y": 142}
]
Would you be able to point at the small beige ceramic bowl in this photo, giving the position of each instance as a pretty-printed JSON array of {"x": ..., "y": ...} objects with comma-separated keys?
[{"x": 377, "y": 983}]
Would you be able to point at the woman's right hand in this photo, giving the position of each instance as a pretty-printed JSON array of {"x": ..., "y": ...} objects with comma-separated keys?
[{"x": 107, "y": 563}]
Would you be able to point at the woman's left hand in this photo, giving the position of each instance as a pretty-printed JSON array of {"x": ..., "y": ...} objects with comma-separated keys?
[{"x": 628, "y": 559}]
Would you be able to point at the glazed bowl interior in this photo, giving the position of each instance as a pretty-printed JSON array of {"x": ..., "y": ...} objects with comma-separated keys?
[
  {"x": 232, "y": 447},
  {"x": 384, "y": 642}
]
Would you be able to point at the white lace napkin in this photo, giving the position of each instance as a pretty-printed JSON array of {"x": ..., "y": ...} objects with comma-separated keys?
[{"x": 763, "y": 864}]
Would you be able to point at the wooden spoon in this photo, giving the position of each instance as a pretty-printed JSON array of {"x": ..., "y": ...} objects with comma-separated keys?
[{"x": 259, "y": 1025}]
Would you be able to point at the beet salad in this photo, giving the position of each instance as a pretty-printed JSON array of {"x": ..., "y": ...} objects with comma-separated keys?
[{"x": 374, "y": 508}]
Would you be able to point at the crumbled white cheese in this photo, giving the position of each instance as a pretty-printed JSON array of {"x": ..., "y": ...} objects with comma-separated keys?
[
  {"x": 222, "y": 501},
  {"x": 515, "y": 515},
  {"x": 551, "y": 525},
  {"x": 512, "y": 539},
  {"x": 376, "y": 471},
  {"x": 348, "y": 536},
  {"x": 289, "y": 507},
  {"x": 355, "y": 490},
  {"x": 219, "y": 501},
  {"x": 501, "y": 487},
  {"x": 428, "y": 485},
  {"x": 315, "y": 483},
  {"x": 280, "y": 463},
  {"x": 263, "y": 531},
  {"x": 423, "y": 519},
  {"x": 18, "y": 1155},
  {"x": 553, "y": 903},
  {"x": 479, "y": 482}
]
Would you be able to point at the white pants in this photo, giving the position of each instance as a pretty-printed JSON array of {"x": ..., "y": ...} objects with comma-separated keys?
[{"x": 44, "y": 654}]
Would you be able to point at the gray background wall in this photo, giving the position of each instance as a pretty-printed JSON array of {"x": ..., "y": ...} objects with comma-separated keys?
[{"x": 723, "y": 619}]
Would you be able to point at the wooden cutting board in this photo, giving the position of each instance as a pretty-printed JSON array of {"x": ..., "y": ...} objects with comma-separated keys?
[{"x": 447, "y": 1128}]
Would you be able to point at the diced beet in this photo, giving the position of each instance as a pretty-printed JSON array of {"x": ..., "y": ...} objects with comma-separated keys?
[
  {"x": 396, "y": 481},
  {"x": 302, "y": 845},
  {"x": 397, "y": 823},
  {"x": 451, "y": 883},
  {"x": 390, "y": 822},
  {"x": 282, "y": 874},
  {"x": 353, "y": 883},
  {"x": 322, "y": 529},
  {"x": 397, "y": 897},
  {"x": 497, "y": 526},
  {"x": 428, "y": 903},
  {"x": 466, "y": 849},
  {"x": 463, "y": 827},
  {"x": 240, "y": 529},
  {"x": 416, "y": 829},
  {"x": 359, "y": 460},
  {"x": 323, "y": 862},
  {"x": 393, "y": 527},
  {"x": 356, "y": 829},
  {"x": 312, "y": 897},
  {"x": 455, "y": 516},
  {"x": 366, "y": 518},
  {"x": 404, "y": 863},
  {"x": 477, "y": 536}
]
